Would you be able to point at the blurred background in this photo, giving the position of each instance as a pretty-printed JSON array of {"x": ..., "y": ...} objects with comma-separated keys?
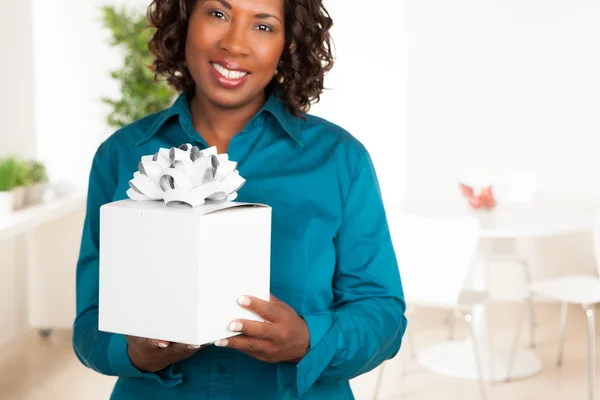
[{"x": 481, "y": 117}]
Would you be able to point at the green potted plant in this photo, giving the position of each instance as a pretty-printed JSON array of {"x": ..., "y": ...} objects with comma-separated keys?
[
  {"x": 7, "y": 184},
  {"x": 14, "y": 176},
  {"x": 38, "y": 180},
  {"x": 140, "y": 93}
]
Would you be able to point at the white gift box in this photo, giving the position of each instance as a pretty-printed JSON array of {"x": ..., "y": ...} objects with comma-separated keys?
[{"x": 175, "y": 273}]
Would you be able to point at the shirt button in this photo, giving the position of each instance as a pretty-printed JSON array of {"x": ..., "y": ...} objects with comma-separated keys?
[{"x": 222, "y": 369}]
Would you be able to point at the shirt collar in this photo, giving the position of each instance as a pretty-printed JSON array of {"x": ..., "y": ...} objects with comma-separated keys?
[
  {"x": 274, "y": 105},
  {"x": 291, "y": 124},
  {"x": 179, "y": 107}
]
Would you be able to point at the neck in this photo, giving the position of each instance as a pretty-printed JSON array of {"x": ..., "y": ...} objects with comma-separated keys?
[{"x": 219, "y": 125}]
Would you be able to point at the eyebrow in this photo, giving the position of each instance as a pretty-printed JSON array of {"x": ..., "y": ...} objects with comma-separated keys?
[
  {"x": 225, "y": 4},
  {"x": 266, "y": 16},
  {"x": 259, "y": 16}
]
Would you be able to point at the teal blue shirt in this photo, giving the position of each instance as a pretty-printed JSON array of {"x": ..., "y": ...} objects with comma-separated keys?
[{"x": 332, "y": 259}]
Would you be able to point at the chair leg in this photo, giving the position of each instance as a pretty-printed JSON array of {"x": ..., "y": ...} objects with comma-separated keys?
[
  {"x": 528, "y": 280},
  {"x": 451, "y": 326},
  {"x": 589, "y": 312},
  {"x": 411, "y": 344},
  {"x": 532, "y": 324},
  {"x": 513, "y": 351},
  {"x": 379, "y": 380},
  {"x": 447, "y": 317},
  {"x": 469, "y": 319},
  {"x": 413, "y": 354},
  {"x": 564, "y": 310}
]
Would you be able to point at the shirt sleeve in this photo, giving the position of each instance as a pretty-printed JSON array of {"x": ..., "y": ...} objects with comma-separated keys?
[
  {"x": 366, "y": 324},
  {"x": 101, "y": 351}
]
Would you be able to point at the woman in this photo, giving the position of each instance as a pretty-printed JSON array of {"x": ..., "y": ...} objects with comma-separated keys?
[{"x": 248, "y": 71}]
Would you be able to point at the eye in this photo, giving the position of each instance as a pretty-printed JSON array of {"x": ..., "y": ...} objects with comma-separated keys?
[
  {"x": 265, "y": 28},
  {"x": 217, "y": 14}
]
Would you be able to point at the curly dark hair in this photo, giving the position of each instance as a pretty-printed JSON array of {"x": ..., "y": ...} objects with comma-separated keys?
[{"x": 306, "y": 58}]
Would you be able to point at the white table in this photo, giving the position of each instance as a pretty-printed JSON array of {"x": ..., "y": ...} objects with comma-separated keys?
[
  {"x": 511, "y": 222},
  {"x": 25, "y": 222}
]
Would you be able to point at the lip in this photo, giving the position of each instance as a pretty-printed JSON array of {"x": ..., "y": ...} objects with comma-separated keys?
[{"x": 226, "y": 82}]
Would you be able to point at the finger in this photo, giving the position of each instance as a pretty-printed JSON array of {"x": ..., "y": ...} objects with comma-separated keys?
[
  {"x": 184, "y": 348},
  {"x": 248, "y": 345},
  {"x": 268, "y": 311},
  {"x": 259, "y": 330},
  {"x": 148, "y": 343},
  {"x": 154, "y": 343}
]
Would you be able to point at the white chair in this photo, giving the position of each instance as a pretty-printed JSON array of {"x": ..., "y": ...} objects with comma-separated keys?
[
  {"x": 435, "y": 256},
  {"x": 579, "y": 289}
]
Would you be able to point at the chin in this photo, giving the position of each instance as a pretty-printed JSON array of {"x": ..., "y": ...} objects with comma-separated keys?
[
  {"x": 231, "y": 99},
  {"x": 228, "y": 100}
]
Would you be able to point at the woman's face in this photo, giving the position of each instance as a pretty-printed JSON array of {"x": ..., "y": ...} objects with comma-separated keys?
[{"x": 233, "y": 48}]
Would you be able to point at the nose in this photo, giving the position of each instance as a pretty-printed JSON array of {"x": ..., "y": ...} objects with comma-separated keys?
[{"x": 234, "y": 40}]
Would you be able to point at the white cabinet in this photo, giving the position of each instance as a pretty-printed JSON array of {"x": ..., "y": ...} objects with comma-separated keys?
[{"x": 38, "y": 256}]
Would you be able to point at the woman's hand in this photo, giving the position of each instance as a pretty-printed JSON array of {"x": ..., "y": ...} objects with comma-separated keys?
[
  {"x": 282, "y": 337},
  {"x": 149, "y": 355}
]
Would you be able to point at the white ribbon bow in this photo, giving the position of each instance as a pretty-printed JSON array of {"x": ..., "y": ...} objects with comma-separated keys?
[{"x": 186, "y": 175}]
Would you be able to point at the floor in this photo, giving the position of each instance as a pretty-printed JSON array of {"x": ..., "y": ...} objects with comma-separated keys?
[{"x": 32, "y": 368}]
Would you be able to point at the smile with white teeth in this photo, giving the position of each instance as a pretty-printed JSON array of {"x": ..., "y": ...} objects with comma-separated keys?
[{"x": 228, "y": 73}]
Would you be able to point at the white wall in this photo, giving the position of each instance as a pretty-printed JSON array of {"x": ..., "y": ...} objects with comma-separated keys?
[
  {"x": 504, "y": 86},
  {"x": 367, "y": 85},
  {"x": 16, "y": 76},
  {"x": 501, "y": 87},
  {"x": 72, "y": 66}
]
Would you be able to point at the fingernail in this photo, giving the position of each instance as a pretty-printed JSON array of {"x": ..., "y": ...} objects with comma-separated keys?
[
  {"x": 235, "y": 326},
  {"x": 221, "y": 343},
  {"x": 193, "y": 346},
  {"x": 163, "y": 345},
  {"x": 244, "y": 301}
]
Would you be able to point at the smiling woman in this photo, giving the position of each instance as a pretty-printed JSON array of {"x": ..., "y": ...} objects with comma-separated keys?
[
  {"x": 251, "y": 34},
  {"x": 286, "y": 41},
  {"x": 248, "y": 72}
]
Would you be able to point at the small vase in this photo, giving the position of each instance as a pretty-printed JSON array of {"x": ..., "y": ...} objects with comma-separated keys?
[
  {"x": 33, "y": 194},
  {"x": 18, "y": 194}
]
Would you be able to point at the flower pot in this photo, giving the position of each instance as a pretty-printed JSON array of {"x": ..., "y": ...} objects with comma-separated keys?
[
  {"x": 33, "y": 194},
  {"x": 6, "y": 203},
  {"x": 18, "y": 194}
]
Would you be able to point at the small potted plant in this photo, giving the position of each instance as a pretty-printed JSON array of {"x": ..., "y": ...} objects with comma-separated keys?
[
  {"x": 7, "y": 183},
  {"x": 22, "y": 179},
  {"x": 13, "y": 178},
  {"x": 38, "y": 179}
]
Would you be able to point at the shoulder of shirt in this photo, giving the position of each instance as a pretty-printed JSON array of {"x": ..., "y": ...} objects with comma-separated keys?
[
  {"x": 317, "y": 131},
  {"x": 128, "y": 135}
]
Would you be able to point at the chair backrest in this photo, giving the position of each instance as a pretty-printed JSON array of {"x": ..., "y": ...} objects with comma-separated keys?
[{"x": 435, "y": 255}]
